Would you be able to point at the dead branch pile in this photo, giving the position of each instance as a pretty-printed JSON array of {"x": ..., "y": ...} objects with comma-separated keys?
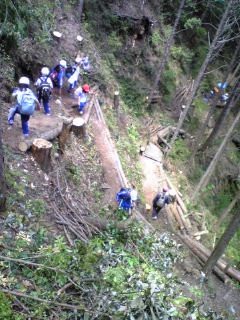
[{"x": 72, "y": 213}]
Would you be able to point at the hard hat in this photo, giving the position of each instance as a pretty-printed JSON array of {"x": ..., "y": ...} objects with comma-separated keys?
[
  {"x": 45, "y": 71},
  {"x": 78, "y": 60},
  {"x": 63, "y": 63},
  {"x": 86, "y": 88},
  {"x": 24, "y": 80}
]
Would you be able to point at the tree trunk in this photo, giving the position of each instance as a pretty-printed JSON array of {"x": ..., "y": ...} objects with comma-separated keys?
[
  {"x": 80, "y": 9},
  {"x": 41, "y": 151},
  {"x": 233, "y": 100},
  {"x": 166, "y": 53},
  {"x": 2, "y": 178},
  {"x": 79, "y": 127},
  {"x": 203, "y": 68},
  {"x": 222, "y": 243},
  {"x": 207, "y": 175},
  {"x": 225, "y": 212}
]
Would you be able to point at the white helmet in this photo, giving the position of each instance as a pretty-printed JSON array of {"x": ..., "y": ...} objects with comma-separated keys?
[
  {"x": 45, "y": 71},
  {"x": 24, "y": 80},
  {"x": 78, "y": 60},
  {"x": 63, "y": 63}
]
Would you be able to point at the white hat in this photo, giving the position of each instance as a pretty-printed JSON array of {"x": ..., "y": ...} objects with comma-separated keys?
[
  {"x": 78, "y": 60},
  {"x": 57, "y": 34},
  {"x": 45, "y": 71},
  {"x": 24, "y": 80},
  {"x": 79, "y": 38},
  {"x": 63, "y": 63}
]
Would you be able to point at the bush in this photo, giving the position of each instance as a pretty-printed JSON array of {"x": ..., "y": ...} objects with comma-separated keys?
[{"x": 168, "y": 85}]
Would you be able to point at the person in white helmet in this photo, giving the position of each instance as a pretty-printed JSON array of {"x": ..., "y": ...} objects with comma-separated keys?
[
  {"x": 44, "y": 89},
  {"x": 25, "y": 104},
  {"x": 57, "y": 75},
  {"x": 73, "y": 74}
]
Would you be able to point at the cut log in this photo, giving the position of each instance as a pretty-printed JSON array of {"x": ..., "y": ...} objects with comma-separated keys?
[
  {"x": 221, "y": 264},
  {"x": 79, "y": 127},
  {"x": 89, "y": 110},
  {"x": 41, "y": 150},
  {"x": 186, "y": 221},
  {"x": 48, "y": 135},
  {"x": 200, "y": 233},
  {"x": 178, "y": 218}
]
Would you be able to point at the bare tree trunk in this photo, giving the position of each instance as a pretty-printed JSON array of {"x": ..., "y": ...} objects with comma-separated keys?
[
  {"x": 198, "y": 80},
  {"x": 207, "y": 175},
  {"x": 2, "y": 178},
  {"x": 80, "y": 9},
  {"x": 222, "y": 243},
  {"x": 233, "y": 100},
  {"x": 226, "y": 212},
  {"x": 166, "y": 53}
]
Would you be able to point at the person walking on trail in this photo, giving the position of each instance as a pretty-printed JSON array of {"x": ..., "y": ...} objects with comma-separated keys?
[
  {"x": 85, "y": 64},
  {"x": 134, "y": 195},
  {"x": 57, "y": 75},
  {"x": 44, "y": 89},
  {"x": 159, "y": 202},
  {"x": 25, "y": 105},
  {"x": 82, "y": 94},
  {"x": 72, "y": 73},
  {"x": 124, "y": 200}
]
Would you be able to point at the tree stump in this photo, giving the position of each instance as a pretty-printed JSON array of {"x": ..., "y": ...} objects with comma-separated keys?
[
  {"x": 41, "y": 150},
  {"x": 63, "y": 136},
  {"x": 79, "y": 127}
]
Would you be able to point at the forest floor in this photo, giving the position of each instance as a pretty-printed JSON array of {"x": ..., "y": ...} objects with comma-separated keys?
[{"x": 213, "y": 294}]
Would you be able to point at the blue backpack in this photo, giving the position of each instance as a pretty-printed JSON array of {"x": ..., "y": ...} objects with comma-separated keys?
[{"x": 27, "y": 105}]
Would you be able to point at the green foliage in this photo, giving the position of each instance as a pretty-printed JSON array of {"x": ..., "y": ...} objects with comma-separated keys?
[
  {"x": 114, "y": 42},
  {"x": 183, "y": 55},
  {"x": 22, "y": 19},
  {"x": 132, "y": 96},
  {"x": 156, "y": 38},
  {"x": 192, "y": 23},
  {"x": 180, "y": 152},
  {"x": 73, "y": 172},
  {"x": 168, "y": 85},
  {"x": 37, "y": 207},
  {"x": 5, "y": 308}
]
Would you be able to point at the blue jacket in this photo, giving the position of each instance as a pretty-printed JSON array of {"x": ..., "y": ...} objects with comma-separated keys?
[{"x": 124, "y": 199}]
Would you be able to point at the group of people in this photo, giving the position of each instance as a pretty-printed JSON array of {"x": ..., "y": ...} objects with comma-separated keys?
[
  {"x": 220, "y": 88},
  {"x": 26, "y": 100},
  {"x": 127, "y": 199}
]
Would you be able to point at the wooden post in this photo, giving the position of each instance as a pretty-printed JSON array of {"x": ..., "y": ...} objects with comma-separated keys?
[
  {"x": 116, "y": 102},
  {"x": 41, "y": 150},
  {"x": 79, "y": 127}
]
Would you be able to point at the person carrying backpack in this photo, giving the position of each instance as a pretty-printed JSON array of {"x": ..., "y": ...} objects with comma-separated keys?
[
  {"x": 57, "y": 75},
  {"x": 82, "y": 94},
  {"x": 124, "y": 200},
  {"x": 159, "y": 202},
  {"x": 25, "y": 105},
  {"x": 44, "y": 89},
  {"x": 72, "y": 73}
]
